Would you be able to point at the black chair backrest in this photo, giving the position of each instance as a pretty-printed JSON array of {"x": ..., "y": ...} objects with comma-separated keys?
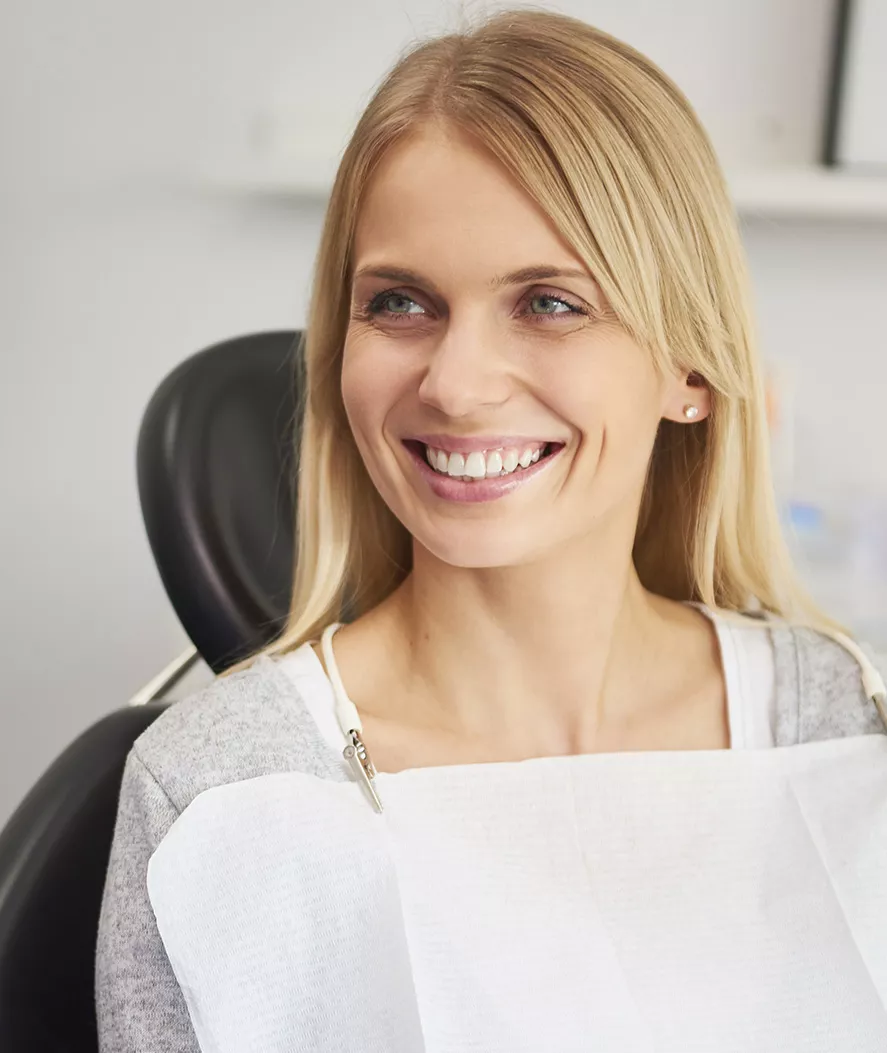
[
  {"x": 53, "y": 858},
  {"x": 215, "y": 463},
  {"x": 216, "y": 452}
]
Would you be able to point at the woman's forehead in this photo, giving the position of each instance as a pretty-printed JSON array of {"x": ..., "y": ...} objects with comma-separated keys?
[{"x": 436, "y": 236}]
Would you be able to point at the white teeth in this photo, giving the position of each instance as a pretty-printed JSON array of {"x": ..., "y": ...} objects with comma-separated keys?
[
  {"x": 494, "y": 463},
  {"x": 456, "y": 465},
  {"x": 479, "y": 464},
  {"x": 476, "y": 465}
]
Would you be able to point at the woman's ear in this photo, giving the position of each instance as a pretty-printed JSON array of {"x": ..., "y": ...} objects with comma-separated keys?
[{"x": 689, "y": 399}]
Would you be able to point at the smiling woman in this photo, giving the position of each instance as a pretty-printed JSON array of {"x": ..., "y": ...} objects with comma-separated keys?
[
  {"x": 535, "y": 513},
  {"x": 530, "y": 233},
  {"x": 500, "y": 364}
]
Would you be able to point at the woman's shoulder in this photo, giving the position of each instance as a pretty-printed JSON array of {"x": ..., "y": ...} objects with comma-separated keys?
[
  {"x": 820, "y": 692},
  {"x": 250, "y": 723}
]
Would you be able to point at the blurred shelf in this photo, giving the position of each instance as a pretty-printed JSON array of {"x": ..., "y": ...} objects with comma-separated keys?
[
  {"x": 812, "y": 192},
  {"x": 299, "y": 178},
  {"x": 809, "y": 192}
]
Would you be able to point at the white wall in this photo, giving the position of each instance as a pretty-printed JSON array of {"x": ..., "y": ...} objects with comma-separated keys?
[{"x": 115, "y": 265}]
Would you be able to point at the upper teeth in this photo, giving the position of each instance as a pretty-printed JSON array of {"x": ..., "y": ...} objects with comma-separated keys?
[{"x": 483, "y": 464}]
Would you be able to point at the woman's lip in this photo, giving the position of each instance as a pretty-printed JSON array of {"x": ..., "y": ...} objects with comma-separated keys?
[
  {"x": 455, "y": 444},
  {"x": 481, "y": 490}
]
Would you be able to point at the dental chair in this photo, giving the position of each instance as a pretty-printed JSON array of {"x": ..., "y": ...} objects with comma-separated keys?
[{"x": 215, "y": 457}]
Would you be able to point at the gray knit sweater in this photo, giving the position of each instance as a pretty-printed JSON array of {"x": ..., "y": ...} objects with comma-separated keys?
[{"x": 254, "y": 723}]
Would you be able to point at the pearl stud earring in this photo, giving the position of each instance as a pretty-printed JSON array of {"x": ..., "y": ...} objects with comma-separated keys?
[{"x": 691, "y": 411}]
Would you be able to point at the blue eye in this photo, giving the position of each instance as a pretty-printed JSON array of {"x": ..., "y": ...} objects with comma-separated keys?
[
  {"x": 375, "y": 307},
  {"x": 571, "y": 308}
]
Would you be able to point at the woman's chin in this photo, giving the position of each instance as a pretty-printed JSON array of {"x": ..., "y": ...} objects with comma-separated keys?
[{"x": 478, "y": 548}]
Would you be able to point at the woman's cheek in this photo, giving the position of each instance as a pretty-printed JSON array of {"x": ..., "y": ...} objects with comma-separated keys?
[
  {"x": 372, "y": 388},
  {"x": 361, "y": 384}
]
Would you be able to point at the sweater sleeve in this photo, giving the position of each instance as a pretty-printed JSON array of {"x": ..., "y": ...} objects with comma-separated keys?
[
  {"x": 140, "y": 1007},
  {"x": 833, "y": 703}
]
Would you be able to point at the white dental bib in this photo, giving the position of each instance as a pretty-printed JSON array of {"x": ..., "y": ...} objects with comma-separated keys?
[{"x": 653, "y": 902}]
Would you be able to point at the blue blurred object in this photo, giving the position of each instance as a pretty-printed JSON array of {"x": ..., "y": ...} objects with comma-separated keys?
[{"x": 840, "y": 546}]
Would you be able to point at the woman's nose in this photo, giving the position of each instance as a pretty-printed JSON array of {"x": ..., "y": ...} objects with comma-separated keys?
[{"x": 465, "y": 372}]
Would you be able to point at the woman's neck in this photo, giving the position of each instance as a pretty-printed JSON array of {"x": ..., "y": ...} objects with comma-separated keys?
[{"x": 542, "y": 659}]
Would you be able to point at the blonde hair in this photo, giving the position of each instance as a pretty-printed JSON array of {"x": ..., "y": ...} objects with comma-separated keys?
[{"x": 612, "y": 151}]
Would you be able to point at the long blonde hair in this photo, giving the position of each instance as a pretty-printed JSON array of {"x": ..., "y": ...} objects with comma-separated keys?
[{"x": 612, "y": 151}]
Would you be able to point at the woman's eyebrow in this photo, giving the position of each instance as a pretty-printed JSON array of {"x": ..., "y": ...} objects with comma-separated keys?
[{"x": 535, "y": 273}]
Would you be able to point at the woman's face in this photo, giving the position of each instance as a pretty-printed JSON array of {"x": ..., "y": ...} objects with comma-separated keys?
[{"x": 447, "y": 359}]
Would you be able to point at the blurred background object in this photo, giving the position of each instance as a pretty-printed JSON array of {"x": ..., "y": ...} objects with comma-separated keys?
[
  {"x": 856, "y": 131},
  {"x": 166, "y": 167}
]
